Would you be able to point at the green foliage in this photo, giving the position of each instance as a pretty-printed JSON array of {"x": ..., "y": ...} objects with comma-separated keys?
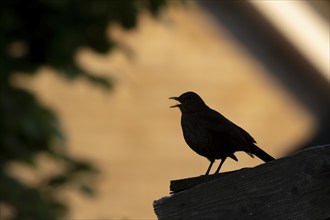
[{"x": 39, "y": 33}]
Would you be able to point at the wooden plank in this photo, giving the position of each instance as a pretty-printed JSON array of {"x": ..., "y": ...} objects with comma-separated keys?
[
  {"x": 184, "y": 184},
  {"x": 294, "y": 187}
]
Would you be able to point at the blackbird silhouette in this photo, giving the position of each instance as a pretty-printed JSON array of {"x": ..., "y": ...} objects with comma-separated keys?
[{"x": 211, "y": 135}]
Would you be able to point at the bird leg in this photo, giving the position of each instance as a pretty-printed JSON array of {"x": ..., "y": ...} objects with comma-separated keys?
[
  {"x": 220, "y": 165},
  {"x": 208, "y": 169}
]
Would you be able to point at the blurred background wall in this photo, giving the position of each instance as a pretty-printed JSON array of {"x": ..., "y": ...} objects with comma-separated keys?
[{"x": 231, "y": 54}]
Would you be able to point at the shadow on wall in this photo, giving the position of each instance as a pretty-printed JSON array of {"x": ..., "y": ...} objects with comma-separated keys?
[{"x": 298, "y": 76}]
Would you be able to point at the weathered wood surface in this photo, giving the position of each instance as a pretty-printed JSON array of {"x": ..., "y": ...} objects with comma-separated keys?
[
  {"x": 294, "y": 187},
  {"x": 183, "y": 184}
]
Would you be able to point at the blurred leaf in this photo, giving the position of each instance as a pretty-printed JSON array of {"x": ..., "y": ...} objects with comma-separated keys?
[
  {"x": 29, "y": 202},
  {"x": 81, "y": 166},
  {"x": 87, "y": 190},
  {"x": 58, "y": 180},
  {"x": 38, "y": 33},
  {"x": 155, "y": 6},
  {"x": 99, "y": 80}
]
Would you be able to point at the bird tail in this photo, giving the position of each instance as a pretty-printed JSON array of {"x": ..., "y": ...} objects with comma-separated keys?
[{"x": 260, "y": 153}]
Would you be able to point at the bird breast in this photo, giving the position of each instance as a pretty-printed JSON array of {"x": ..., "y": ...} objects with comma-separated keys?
[{"x": 195, "y": 134}]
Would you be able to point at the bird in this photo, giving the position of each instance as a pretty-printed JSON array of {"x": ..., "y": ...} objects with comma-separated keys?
[{"x": 210, "y": 134}]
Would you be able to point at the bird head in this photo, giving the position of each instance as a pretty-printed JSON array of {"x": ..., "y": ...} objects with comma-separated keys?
[{"x": 189, "y": 102}]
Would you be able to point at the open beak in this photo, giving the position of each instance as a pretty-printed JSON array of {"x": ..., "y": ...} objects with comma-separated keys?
[{"x": 177, "y": 99}]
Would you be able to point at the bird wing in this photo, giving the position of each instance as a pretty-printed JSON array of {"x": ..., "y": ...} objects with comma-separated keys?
[{"x": 222, "y": 127}]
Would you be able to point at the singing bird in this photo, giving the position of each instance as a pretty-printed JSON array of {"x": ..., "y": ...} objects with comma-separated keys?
[{"x": 211, "y": 135}]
